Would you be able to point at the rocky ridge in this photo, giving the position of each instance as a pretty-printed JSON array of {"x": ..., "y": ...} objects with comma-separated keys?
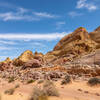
[{"x": 74, "y": 55}]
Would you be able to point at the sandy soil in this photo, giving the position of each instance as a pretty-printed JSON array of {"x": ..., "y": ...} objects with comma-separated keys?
[{"x": 78, "y": 90}]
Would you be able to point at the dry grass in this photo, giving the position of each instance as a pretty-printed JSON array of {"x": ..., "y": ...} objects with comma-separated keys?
[
  {"x": 40, "y": 81},
  {"x": 49, "y": 89},
  {"x": 38, "y": 94},
  {"x": 10, "y": 91},
  {"x": 30, "y": 81},
  {"x": 11, "y": 79},
  {"x": 17, "y": 86}
]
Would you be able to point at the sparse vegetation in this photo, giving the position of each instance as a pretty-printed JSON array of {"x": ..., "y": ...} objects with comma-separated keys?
[
  {"x": 11, "y": 79},
  {"x": 40, "y": 81},
  {"x": 49, "y": 89},
  {"x": 17, "y": 86},
  {"x": 38, "y": 94},
  {"x": 30, "y": 81},
  {"x": 66, "y": 80},
  {"x": 43, "y": 93},
  {"x": 10, "y": 91},
  {"x": 94, "y": 81}
]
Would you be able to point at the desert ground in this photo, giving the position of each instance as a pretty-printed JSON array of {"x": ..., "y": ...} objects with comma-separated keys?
[{"x": 77, "y": 90}]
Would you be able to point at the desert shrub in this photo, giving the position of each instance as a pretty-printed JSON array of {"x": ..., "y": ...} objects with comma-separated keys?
[
  {"x": 40, "y": 81},
  {"x": 17, "y": 86},
  {"x": 94, "y": 81},
  {"x": 66, "y": 80},
  {"x": 38, "y": 94},
  {"x": 30, "y": 81},
  {"x": 10, "y": 91},
  {"x": 49, "y": 89},
  {"x": 11, "y": 79}
]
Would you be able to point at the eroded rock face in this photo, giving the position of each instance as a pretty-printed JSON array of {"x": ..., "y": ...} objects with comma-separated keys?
[
  {"x": 40, "y": 57},
  {"x": 78, "y": 34},
  {"x": 74, "y": 44},
  {"x": 90, "y": 59},
  {"x": 95, "y": 36},
  {"x": 6, "y": 64},
  {"x": 84, "y": 71},
  {"x": 23, "y": 58},
  {"x": 32, "y": 64}
]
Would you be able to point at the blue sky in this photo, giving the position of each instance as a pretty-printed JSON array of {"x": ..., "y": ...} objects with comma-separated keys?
[{"x": 38, "y": 25}]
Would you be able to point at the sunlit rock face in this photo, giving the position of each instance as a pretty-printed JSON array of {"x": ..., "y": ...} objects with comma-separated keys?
[
  {"x": 6, "y": 64},
  {"x": 74, "y": 44},
  {"x": 95, "y": 36},
  {"x": 24, "y": 57},
  {"x": 69, "y": 48}
]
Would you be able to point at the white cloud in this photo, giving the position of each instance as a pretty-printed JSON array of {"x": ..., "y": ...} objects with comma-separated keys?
[
  {"x": 74, "y": 14},
  {"x": 7, "y": 42},
  {"x": 44, "y": 14},
  {"x": 38, "y": 44},
  {"x": 36, "y": 36},
  {"x": 19, "y": 15},
  {"x": 22, "y": 10},
  {"x": 84, "y": 4},
  {"x": 5, "y": 48},
  {"x": 60, "y": 24},
  {"x": 24, "y": 14}
]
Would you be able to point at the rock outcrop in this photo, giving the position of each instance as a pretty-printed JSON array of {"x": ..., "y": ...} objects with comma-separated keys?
[
  {"x": 74, "y": 44},
  {"x": 95, "y": 36},
  {"x": 23, "y": 58},
  {"x": 32, "y": 64},
  {"x": 6, "y": 64},
  {"x": 90, "y": 59},
  {"x": 39, "y": 57}
]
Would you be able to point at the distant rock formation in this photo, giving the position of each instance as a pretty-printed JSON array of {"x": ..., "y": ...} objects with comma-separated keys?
[
  {"x": 6, "y": 64},
  {"x": 74, "y": 44},
  {"x": 7, "y": 60},
  {"x": 95, "y": 36},
  {"x": 32, "y": 64},
  {"x": 40, "y": 57},
  {"x": 71, "y": 47},
  {"x": 23, "y": 58}
]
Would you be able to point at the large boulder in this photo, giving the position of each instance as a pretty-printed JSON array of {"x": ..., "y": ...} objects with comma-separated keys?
[
  {"x": 40, "y": 57},
  {"x": 32, "y": 64}
]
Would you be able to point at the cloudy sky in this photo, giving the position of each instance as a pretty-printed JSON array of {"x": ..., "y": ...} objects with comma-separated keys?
[{"x": 38, "y": 25}]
